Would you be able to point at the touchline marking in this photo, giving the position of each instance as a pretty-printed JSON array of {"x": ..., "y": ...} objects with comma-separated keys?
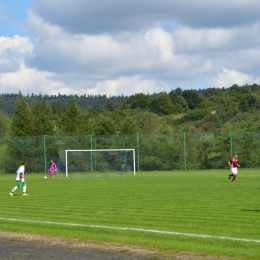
[{"x": 132, "y": 229}]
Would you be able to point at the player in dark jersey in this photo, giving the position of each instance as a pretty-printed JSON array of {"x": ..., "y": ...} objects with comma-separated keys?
[{"x": 233, "y": 164}]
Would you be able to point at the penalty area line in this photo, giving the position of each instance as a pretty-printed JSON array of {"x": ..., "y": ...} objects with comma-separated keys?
[{"x": 131, "y": 229}]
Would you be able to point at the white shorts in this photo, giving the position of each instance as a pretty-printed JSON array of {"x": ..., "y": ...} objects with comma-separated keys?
[{"x": 233, "y": 170}]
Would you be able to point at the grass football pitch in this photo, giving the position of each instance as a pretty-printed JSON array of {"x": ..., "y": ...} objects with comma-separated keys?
[{"x": 190, "y": 211}]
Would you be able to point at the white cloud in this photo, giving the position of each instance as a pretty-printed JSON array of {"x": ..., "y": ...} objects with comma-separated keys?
[
  {"x": 201, "y": 40},
  {"x": 228, "y": 77},
  {"x": 125, "y": 86},
  {"x": 28, "y": 80},
  {"x": 115, "y": 48},
  {"x": 216, "y": 39},
  {"x": 162, "y": 41},
  {"x": 17, "y": 44},
  {"x": 97, "y": 17},
  {"x": 40, "y": 29},
  {"x": 12, "y": 51}
]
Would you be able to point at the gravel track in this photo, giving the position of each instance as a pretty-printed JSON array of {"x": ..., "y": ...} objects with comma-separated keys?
[{"x": 18, "y": 246}]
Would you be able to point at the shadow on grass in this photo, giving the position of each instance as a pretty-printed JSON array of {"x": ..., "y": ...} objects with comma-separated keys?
[{"x": 252, "y": 210}]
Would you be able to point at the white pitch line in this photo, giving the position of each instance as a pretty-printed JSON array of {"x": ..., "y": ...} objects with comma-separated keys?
[{"x": 132, "y": 229}]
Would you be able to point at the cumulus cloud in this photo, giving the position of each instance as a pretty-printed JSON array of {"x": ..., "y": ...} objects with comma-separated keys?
[
  {"x": 114, "y": 47},
  {"x": 188, "y": 40},
  {"x": 162, "y": 41},
  {"x": 16, "y": 47},
  {"x": 12, "y": 51},
  {"x": 126, "y": 86},
  {"x": 28, "y": 80},
  {"x": 97, "y": 17},
  {"x": 41, "y": 30},
  {"x": 228, "y": 78}
]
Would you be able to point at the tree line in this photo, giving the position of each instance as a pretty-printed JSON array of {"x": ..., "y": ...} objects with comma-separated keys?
[{"x": 211, "y": 111}]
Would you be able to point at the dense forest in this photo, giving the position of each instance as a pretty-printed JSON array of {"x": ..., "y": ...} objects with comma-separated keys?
[
  {"x": 207, "y": 117},
  {"x": 211, "y": 110}
]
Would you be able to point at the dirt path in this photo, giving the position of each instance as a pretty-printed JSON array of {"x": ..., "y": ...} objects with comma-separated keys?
[{"x": 23, "y": 247}]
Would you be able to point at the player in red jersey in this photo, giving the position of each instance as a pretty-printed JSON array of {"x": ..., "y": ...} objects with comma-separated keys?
[{"x": 233, "y": 163}]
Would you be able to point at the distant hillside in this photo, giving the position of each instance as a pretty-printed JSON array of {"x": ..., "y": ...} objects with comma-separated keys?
[{"x": 7, "y": 101}]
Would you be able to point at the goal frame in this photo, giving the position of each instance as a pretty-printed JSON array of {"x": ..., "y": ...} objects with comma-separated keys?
[{"x": 97, "y": 150}]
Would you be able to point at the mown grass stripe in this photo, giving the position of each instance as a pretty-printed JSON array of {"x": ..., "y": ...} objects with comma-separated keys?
[{"x": 133, "y": 229}]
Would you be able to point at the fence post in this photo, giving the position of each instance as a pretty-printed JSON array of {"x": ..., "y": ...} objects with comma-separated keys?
[
  {"x": 231, "y": 144},
  {"x": 138, "y": 151},
  {"x": 91, "y": 158},
  {"x": 184, "y": 149},
  {"x": 0, "y": 155},
  {"x": 44, "y": 153}
]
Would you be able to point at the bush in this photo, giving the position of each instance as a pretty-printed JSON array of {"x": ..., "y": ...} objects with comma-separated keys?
[{"x": 194, "y": 115}]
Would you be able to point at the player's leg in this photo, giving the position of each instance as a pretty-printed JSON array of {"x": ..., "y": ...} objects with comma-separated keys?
[
  {"x": 13, "y": 190},
  {"x": 231, "y": 174},
  {"x": 47, "y": 175},
  {"x": 24, "y": 188},
  {"x": 18, "y": 184},
  {"x": 234, "y": 173},
  {"x": 50, "y": 174}
]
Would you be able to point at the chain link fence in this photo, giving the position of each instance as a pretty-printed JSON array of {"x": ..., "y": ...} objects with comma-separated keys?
[{"x": 184, "y": 151}]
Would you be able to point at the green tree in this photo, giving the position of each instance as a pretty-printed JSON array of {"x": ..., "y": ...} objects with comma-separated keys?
[
  {"x": 94, "y": 109},
  {"x": 70, "y": 120},
  {"x": 105, "y": 126},
  {"x": 154, "y": 107},
  {"x": 192, "y": 98},
  {"x": 147, "y": 123},
  {"x": 243, "y": 105},
  {"x": 180, "y": 104},
  {"x": 194, "y": 115},
  {"x": 42, "y": 124},
  {"x": 21, "y": 124},
  {"x": 142, "y": 104},
  {"x": 128, "y": 127},
  {"x": 42, "y": 118},
  {"x": 253, "y": 101},
  {"x": 57, "y": 108},
  {"x": 5, "y": 123},
  {"x": 164, "y": 104},
  {"x": 110, "y": 105},
  {"x": 138, "y": 100}
]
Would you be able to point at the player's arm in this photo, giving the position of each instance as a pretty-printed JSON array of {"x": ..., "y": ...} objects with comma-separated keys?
[
  {"x": 21, "y": 176},
  {"x": 229, "y": 163}
]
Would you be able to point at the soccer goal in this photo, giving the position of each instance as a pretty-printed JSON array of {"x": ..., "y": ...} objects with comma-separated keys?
[{"x": 100, "y": 161}]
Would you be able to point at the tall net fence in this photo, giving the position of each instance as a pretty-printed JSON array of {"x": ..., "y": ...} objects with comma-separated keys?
[{"x": 184, "y": 151}]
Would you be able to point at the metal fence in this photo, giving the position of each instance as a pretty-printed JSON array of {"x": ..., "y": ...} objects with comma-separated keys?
[{"x": 183, "y": 151}]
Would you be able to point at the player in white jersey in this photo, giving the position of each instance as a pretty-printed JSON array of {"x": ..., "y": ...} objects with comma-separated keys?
[{"x": 20, "y": 181}]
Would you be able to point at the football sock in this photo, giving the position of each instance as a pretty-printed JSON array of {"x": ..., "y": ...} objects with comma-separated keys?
[
  {"x": 24, "y": 189},
  {"x": 14, "y": 189}
]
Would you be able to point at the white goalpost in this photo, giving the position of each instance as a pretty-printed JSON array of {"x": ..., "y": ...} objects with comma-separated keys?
[{"x": 100, "y": 160}]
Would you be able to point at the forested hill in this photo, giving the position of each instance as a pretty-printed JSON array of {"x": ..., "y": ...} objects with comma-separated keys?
[
  {"x": 98, "y": 102},
  {"x": 7, "y": 101},
  {"x": 210, "y": 110}
]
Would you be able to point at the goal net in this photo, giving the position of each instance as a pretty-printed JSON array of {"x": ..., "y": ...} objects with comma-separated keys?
[{"x": 99, "y": 161}]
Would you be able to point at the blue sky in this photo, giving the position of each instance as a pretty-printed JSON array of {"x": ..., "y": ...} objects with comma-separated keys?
[
  {"x": 13, "y": 13},
  {"x": 125, "y": 47}
]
